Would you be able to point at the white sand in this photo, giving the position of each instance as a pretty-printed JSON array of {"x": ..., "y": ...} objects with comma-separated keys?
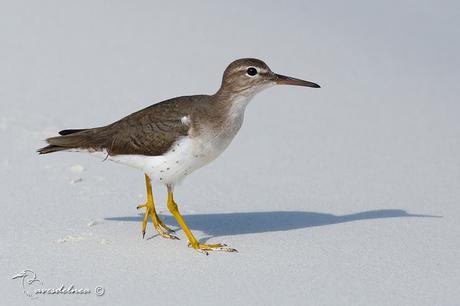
[{"x": 326, "y": 193}]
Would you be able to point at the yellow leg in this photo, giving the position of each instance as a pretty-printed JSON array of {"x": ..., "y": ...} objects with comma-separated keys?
[
  {"x": 149, "y": 206},
  {"x": 193, "y": 242}
]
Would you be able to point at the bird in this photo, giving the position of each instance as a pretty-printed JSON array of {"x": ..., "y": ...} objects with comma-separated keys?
[{"x": 171, "y": 139}]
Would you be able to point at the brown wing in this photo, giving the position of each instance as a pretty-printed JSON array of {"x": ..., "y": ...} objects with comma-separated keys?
[{"x": 150, "y": 131}]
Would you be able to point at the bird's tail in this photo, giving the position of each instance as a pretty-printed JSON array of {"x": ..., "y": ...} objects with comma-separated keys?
[{"x": 69, "y": 139}]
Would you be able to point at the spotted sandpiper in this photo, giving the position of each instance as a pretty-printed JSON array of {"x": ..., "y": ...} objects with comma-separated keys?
[{"x": 171, "y": 139}]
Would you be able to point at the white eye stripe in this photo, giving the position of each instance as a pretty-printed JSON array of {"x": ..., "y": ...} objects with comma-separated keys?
[
  {"x": 259, "y": 70},
  {"x": 247, "y": 67},
  {"x": 242, "y": 68}
]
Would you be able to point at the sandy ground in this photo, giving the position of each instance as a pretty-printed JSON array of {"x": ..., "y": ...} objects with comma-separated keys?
[{"x": 347, "y": 195}]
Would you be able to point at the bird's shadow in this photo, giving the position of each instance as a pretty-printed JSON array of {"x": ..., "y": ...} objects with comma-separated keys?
[{"x": 227, "y": 224}]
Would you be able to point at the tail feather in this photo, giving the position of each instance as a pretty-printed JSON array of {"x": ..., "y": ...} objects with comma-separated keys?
[
  {"x": 73, "y": 139},
  {"x": 71, "y": 131},
  {"x": 50, "y": 149}
]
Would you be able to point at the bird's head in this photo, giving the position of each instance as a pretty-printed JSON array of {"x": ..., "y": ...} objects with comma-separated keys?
[{"x": 250, "y": 75}]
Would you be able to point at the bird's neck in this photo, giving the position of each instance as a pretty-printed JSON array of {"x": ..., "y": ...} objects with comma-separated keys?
[{"x": 233, "y": 104}]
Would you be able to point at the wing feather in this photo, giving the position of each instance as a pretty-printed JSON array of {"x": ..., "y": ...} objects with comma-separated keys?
[{"x": 151, "y": 131}]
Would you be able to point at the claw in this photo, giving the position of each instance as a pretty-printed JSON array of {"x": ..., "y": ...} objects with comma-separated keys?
[
  {"x": 203, "y": 252},
  {"x": 165, "y": 234},
  {"x": 206, "y": 248},
  {"x": 162, "y": 229}
]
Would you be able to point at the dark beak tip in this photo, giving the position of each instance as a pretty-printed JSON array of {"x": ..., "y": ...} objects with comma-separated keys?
[{"x": 285, "y": 80}]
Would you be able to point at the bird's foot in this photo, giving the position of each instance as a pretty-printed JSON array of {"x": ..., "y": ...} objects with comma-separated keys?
[
  {"x": 160, "y": 227},
  {"x": 206, "y": 248}
]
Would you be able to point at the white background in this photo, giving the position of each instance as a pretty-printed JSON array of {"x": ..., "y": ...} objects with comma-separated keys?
[{"x": 325, "y": 192}]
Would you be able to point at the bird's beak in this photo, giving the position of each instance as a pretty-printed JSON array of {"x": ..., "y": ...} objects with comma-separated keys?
[{"x": 285, "y": 80}]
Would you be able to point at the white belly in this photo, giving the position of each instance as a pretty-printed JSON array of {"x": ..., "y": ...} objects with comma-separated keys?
[
  {"x": 184, "y": 157},
  {"x": 187, "y": 154}
]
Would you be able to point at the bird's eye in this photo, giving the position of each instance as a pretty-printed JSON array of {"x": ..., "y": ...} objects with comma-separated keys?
[{"x": 251, "y": 71}]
